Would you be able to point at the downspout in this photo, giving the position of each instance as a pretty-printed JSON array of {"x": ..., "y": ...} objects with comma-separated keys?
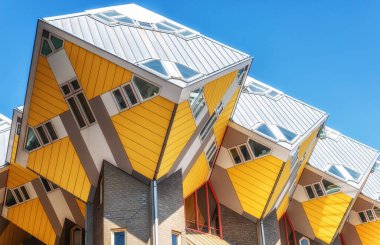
[
  {"x": 154, "y": 212},
  {"x": 262, "y": 234}
]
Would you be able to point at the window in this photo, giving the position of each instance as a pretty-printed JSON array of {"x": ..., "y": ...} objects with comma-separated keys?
[
  {"x": 257, "y": 87},
  {"x": 45, "y": 135},
  {"x": 145, "y": 24},
  {"x": 50, "y": 43},
  {"x": 78, "y": 103},
  {"x": 197, "y": 102},
  {"x": 112, "y": 17},
  {"x": 145, "y": 89},
  {"x": 320, "y": 189},
  {"x": 125, "y": 19},
  {"x": 10, "y": 199},
  {"x": 211, "y": 154},
  {"x": 295, "y": 158},
  {"x": 175, "y": 238},
  {"x": 119, "y": 99},
  {"x": 258, "y": 149},
  {"x": 130, "y": 94},
  {"x": 322, "y": 132},
  {"x": 362, "y": 217},
  {"x": 310, "y": 192},
  {"x": 241, "y": 74},
  {"x": 264, "y": 129},
  {"x": 276, "y": 132},
  {"x": 18, "y": 125},
  {"x": 42, "y": 134},
  {"x": 118, "y": 237},
  {"x": 48, "y": 185},
  {"x": 186, "y": 72},
  {"x": 304, "y": 241},
  {"x": 156, "y": 66},
  {"x": 376, "y": 210},
  {"x": 208, "y": 126},
  {"x": 31, "y": 140},
  {"x": 235, "y": 155},
  {"x": 368, "y": 215},
  {"x": 186, "y": 33},
  {"x": 290, "y": 136},
  {"x": 76, "y": 236},
  {"x": 50, "y": 129},
  {"x": 16, "y": 196},
  {"x": 163, "y": 27},
  {"x": 245, "y": 152},
  {"x": 329, "y": 187},
  {"x": 344, "y": 173}
]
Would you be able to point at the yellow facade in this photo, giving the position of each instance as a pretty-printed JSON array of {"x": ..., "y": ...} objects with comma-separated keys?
[
  {"x": 197, "y": 175},
  {"x": 182, "y": 129},
  {"x": 282, "y": 207},
  {"x": 253, "y": 182},
  {"x": 31, "y": 217},
  {"x": 142, "y": 130},
  {"x": 369, "y": 233},
  {"x": 326, "y": 213},
  {"x": 59, "y": 163},
  {"x": 14, "y": 148},
  {"x": 19, "y": 175},
  {"x": 96, "y": 74},
  {"x": 47, "y": 99}
]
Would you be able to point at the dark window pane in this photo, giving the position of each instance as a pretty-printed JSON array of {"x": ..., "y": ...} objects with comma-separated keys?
[
  {"x": 45, "y": 33},
  {"x": 146, "y": 89},
  {"x": 202, "y": 209},
  {"x": 214, "y": 215},
  {"x": 244, "y": 151},
  {"x": 10, "y": 199},
  {"x": 310, "y": 192},
  {"x": 51, "y": 131},
  {"x": 119, "y": 238},
  {"x": 65, "y": 89},
  {"x": 235, "y": 155},
  {"x": 54, "y": 186},
  {"x": 258, "y": 149},
  {"x": 42, "y": 135},
  {"x": 86, "y": 108},
  {"x": 119, "y": 99},
  {"x": 362, "y": 217},
  {"x": 18, "y": 129},
  {"x": 24, "y": 192},
  {"x": 318, "y": 189},
  {"x": 46, "y": 49},
  {"x": 75, "y": 109},
  {"x": 130, "y": 95},
  {"x": 31, "y": 141},
  {"x": 208, "y": 126},
  {"x": 75, "y": 85},
  {"x": 46, "y": 185},
  {"x": 377, "y": 212},
  {"x": 18, "y": 195},
  {"x": 370, "y": 215},
  {"x": 330, "y": 187},
  {"x": 57, "y": 43}
]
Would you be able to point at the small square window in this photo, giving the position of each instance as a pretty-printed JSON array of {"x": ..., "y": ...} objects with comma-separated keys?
[
  {"x": 235, "y": 155},
  {"x": 118, "y": 237},
  {"x": 318, "y": 189},
  {"x": 176, "y": 238},
  {"x": 362, "y": 217},
  {"x": 310, "y": 192},
  {"x": 245, "y": 152}
]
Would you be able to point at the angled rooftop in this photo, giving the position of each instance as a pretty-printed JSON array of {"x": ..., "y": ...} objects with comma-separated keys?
[{"x": 371, "y": 188}]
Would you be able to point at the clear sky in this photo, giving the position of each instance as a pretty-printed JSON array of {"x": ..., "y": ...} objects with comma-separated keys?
[{"x": 326, "y": 53}]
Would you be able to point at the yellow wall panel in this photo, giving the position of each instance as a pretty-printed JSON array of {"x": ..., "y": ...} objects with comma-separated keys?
[
  {"x": 14, "y": 148},
  {"x": 369, "y": 233},
  {"x": 31, "y": 217},
  {"x": 326, "y": 213},
  {"x": 282, "y": 207},
  {"x": 19, "y": 175},
  {"x": 215, "y": 90},
  {"x": 222, "y": 122},
  {"x": 182, "y": 129},
  {"x": 253, "y": 182},
  {"x": 197, "y": 175},
  {"x": 59, "y": 163},
  {"x": 142, "y": 130},
  {"x": 82, "y": 207},
  {"x": 47, "y": 100},
  {"x": 13, "y": 235},
  {"x": 96, "y": 74}
]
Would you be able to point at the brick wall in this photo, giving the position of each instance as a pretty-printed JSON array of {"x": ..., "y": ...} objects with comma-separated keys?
[{"x": 238, "y": 229}]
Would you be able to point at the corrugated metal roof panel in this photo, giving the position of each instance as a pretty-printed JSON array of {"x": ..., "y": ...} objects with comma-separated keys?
[{"x": 371, "y": 188}]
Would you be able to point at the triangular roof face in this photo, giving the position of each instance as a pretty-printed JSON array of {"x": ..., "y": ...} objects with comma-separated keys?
[
  {"x": 145, "y": 38},
  {"x": 272, "y": 107},
  {"x": 371, "y": 188}
]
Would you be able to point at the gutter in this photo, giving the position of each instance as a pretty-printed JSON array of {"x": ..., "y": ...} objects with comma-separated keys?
[{"x": 154, "y": 212}]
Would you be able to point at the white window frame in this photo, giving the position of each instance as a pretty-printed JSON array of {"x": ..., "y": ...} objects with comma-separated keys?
[
  {"x": 138, "y": 92},
  {"x": 121, "y": 90},
  {"x": 178, "y": 235},
  {"x": 314, "y": 190},
  {"x": 154, "y": 71},
  {"x": 210, "y": 152},
  {"x": 53, "y": 49},
  {"x": 44, "y": 128},
  {"x": 336, "y": 176},
  {"x": 249, "y": 152},
  {"x": 304, "y": 239},
  {"x": 15, "y": 196},
  {"x": 113, "y": 231},
  {"x": 115, "y": 21},
  {"x": 134, "y": 91},
  {"x": 373, "y": 209},
  {"x": 203, "y": 101},
  {"x": 52, "y": 189},
  {"x": 37, "y": 136},
  {"x": 253, "y": 154},
  {"x": 238, "y": 151}
]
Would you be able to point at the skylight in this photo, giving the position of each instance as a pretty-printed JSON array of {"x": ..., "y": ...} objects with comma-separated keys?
[
  {"x": 344, "y": 173},
  {"x": 145, "y": 24},
  {"x": 276, "y": 132},
  {"x": 289, "y": 135},
  {"x": 157, "y": 66},
  {"x": 186, "y": 72},
  {"x": 186, "y": 33},
  {"x": 257, "y": 87}
]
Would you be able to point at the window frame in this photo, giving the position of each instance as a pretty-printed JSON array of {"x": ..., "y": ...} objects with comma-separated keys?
[
  {"x": 249, "y": 152},
  {"x": 11, "y": 190},
  {"x": 123, "y": 96},
  {"x": 52, "y": 188},
  {"x": 304, "y": 239},
  {"x": 197, "y": 111},
  {"x": 113, "y": 231},
  {"x": 343, "y": 179},
  {"x": 238, "y": 152},
  {"x": 71, "y": 234},
  {"x": 253, "y": 153},
  {"x": 37, "y": 137},
  {"x": 47, "y": 133},
  {"x": 52, "y": 47},
  {"x": 178, "y": 236},
  {"x": 137, "y": 91},
  {"x": 211, "y": 153},
  {"x": 322, "y": 187},
  {"x": 154, "y": 71},
  {"x": 134, "y": 91}
]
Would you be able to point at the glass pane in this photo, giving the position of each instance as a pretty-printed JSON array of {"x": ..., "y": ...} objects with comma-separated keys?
[
  {"x": 75, "y": 85},
  {"x": 355, "y": 175},
  {"x": 190, "y": 212},
  {"x": 31, "y": 141},
  {"x": 119, "y": 99},
  {"x": 10, "y": 199},
  {"x": 145, "y": 24},
  {"x": 24, "y": 192},
  {"x": 65, "y": 89},
  {"x": 330, "y": 187},
  {"x": 46, "y": 49},
  {"x": 335, "y": 171},
  {"x": 256, "y": 88},
  {"x": 245, "y": 153},
  {"x": 273, "y": 93},
  {"x": 163, "y": 27},
  {"x": 186, "y": 33},
  {"x": 258, "y": 149},
  {"x": 103, "y": 17},
  {"x": 310, "y": 192},
  {"x": 119, "y": 238},
  {"x": 77, "y": 114},
  {"x": 370, "y": 215},
  {"x": 111, "y": 13},
  {"x": 305, "y": 242},
  {"x": 318, "y": 189},
  {"x": 289, "y": 135},
  {"x": 377, "y": 212},
  {"x": 235, "y": 155},
  {"x": 214, "y": 215},
  {"x": 51, "y": 131},
  {"x": 171, "y": 25},
  {"x": 208, "y": 126},
  {"x": 362, "y": 217},
  {"x": 86, "y": 108},
  {"x": 265, "y": 130},
  {"x": 186, "y": 72},
  {"x": 175, "y": 239},
  {"x": 18, "y": 195},
  {"x": 130, "y": 95},
  {"x": 42, "y": 135},
  {"x": 211, "y": 154},
  {"x": 202, "y": 209},
  {"x": 157, "y": 66},
  {"x": 146, "y": 89},
  {"x": 46, "y": 185},
  {"x": 125, "y": 19},
  {"x": 57, "y": 43}
]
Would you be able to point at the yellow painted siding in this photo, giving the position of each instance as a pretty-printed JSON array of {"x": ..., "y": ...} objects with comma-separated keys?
[
  {"x": 369, "y": 233},
  {"x": 19, "y": 175},
  {"x": 14, "y": 148},
  {"x": 59, "y": 163},
  {"x": 326, "y": 213},
  {"x": 31, "y": 217},
  {"x": 222, "y": 122},
  {"x": 197, "y": 175},
  {"x": 142, "y": 130},
  {"x": 282, "y": 207},
  {"x": 82, "y": 207},
  {"x": 302, "y": 150},
  {"x": 215, "y": 90},
  {"x": 96, "y": 74},
  {"x": 253, "y": 182},
  {"x": 12, "y": 235},
  {"x": 47, "y": 100},
  {"x": 182, "y": 129}
]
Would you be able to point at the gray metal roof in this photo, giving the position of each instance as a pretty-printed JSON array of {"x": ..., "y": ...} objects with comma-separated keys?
[
  {"x": 371, "y": 188},
  {"x": 285, "y": 111},
  {"x": 135, "y": 44},
  {"x": 343, "y": 150}
]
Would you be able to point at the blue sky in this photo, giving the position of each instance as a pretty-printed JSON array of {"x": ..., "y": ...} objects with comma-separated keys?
[{"x": 326, "y": 53}]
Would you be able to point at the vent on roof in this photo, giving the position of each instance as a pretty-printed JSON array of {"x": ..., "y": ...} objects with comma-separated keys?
[
  {"x": 257, "y": 87},
  {"x": 276, "y": 132}
]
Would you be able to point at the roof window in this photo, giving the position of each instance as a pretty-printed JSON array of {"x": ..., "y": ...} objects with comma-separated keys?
[
  {"x": 145, "y": 24},
  {"x": 344, "y": 173},
  {"x": 186, "y": 72},
  {"x": 257, "y": 87},
  {"x": 276, "y": 132},
  {"x": 157, "y": 66}
]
